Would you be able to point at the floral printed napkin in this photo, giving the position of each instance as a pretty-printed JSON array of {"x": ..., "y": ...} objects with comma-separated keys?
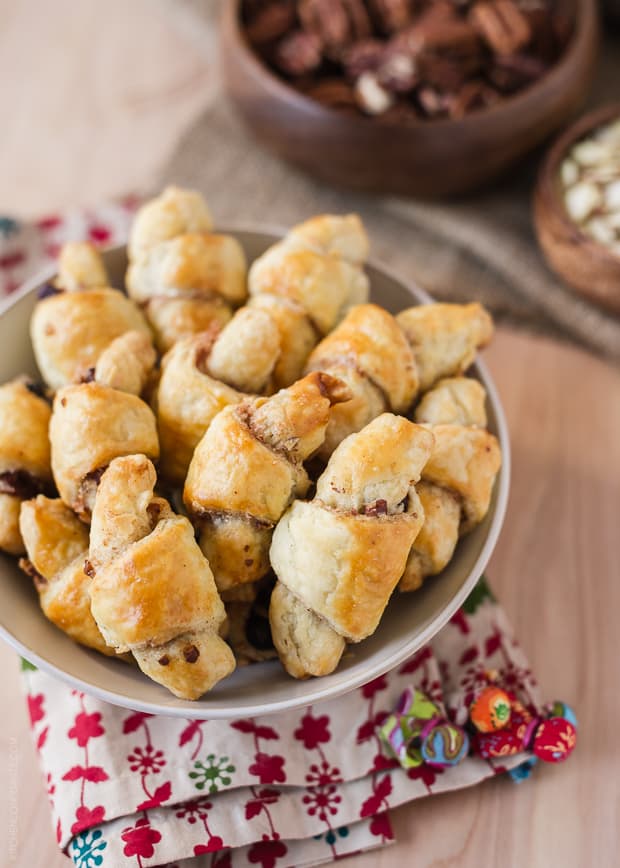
[{"x": 300, "y": 788}]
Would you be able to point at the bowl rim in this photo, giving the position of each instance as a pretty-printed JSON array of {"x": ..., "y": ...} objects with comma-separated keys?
[
  {"x": 317, "y": 693},
  {"x": 585, "y": 26},
  {"x": 545, "y": 187}
]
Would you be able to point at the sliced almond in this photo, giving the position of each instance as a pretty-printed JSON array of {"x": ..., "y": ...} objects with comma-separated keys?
[
  {"x": 569, "y": 172},
  {"x": 581, "y": 200},
  {"x": 599, "y": 229},
  {"x": 612, "y": 196}
]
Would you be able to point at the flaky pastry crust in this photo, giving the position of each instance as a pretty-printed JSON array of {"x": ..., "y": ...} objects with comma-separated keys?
[
  {"x": 369, "y": 351},
  {"x": 80, "y": 266},
  {"x": 445, "y": 338},
  {"x": 57, "y": 545},
  {"x": 25, "y": 467},
  {"x": 343, "y": 553},
  {"x": 453, "y": 401},
  {"x": 70, "y": 331},
  {"x": 92, "y": 424},
  {"x": 174, "y": 212},
  {"x": 248, "y": 467},
  {"x": 153, "y": 592}
]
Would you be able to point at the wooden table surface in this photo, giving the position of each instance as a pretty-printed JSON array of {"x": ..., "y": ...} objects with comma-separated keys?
[{"x": 92, "y": 105}]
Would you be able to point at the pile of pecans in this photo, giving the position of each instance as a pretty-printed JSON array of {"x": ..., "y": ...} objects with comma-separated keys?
[
  {"x": 408, "y": 59},
  {"x": 590, "y": 181}
]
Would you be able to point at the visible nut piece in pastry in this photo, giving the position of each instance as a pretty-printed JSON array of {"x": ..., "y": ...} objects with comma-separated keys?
[
  {"x": 174, "y": 212},
  {"x": 25, "y": 469},
  {"x": 248, "y": 467},
  {"x": 153, "y": 592},
  {"x": 70, "y": 331},
  {"x": 126, "y": 363},
  {"x": 453, "y": 401},
  {"x": 343, "y": 553},
  {"x": 92, "y": 424},
  {"x": 445, "y": 338},
  {"x": 80, "y": 266},
  {"x": 57, "y": 545},
  {"x": 369, "y": 351}
]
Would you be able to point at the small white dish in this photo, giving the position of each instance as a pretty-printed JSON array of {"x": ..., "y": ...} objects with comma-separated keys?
[{"x": 410, "y": 621}]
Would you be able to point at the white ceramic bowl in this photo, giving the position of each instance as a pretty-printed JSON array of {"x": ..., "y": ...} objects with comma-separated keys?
[{"x": 409, "y": 622}]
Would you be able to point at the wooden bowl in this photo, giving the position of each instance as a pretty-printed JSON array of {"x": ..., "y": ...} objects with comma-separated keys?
[
  {"x": 577, "y": 258},
  {"x": 428, "y": 158}
]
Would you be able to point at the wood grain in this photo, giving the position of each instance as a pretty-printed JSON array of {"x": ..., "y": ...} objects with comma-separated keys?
[{"x": 556, "y": 565}]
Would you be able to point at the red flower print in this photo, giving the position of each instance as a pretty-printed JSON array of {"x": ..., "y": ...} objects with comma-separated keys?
[
  {"x": 424, "y": 773},
  {"x": 49, "y": 222},
  {"x": 381, "y": 827},
  {"x": 35, "y": 708},
  {"x": 369, "y": 690},
  {"x": 267, "y": 853},
  {"x": 414, "y": 663},
  {"x": 313, "y": 731},
  {"x": 262, "y": 798},
  {"x": 140, "y": 839},
  {"x": 87, "y": 817},
  {"x": 322, "y": 774},
  {"x": 380, "y": 793},
  {"x": 147, "y": 761},
  {"x": 131, "y": 723},
  {"x": 85, "y": 727},
  {"x": 58, "y": 831},
  {"x": 214, "y": 843},
  {"x": 321, "y": 801},
  {"x": 460, "y": 621},
  {"x": 99, "y": 234},
  {"x": 194, "y": 810},
  {"x": 268, "y": 768}
]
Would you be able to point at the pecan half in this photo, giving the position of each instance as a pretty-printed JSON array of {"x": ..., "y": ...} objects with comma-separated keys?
[
  {"x": 390, "y": 15},
  {"x": 502, "y": 25},
  {"x": 299, "y": 53},
  {"x": 270, "y": 22},
  {"x": 337, "y": 23}
]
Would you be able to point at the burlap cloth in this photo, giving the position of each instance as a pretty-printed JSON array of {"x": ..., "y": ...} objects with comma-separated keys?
[{"x": 481, "y": 247}]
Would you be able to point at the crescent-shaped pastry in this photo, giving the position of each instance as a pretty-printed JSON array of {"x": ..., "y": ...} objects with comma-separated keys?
[
  {"x": 306, "y": 282},
  {"x": 152, "y": 591},
  {"x": 91, "y": 424},
  {"x": 369, "y": 351},
  {"x": 126, "y": 364},
  {"x": 70, "y": 330},
  {"x": 453, "y": 401},
  {"x": 248, "y": 468},
  {"x": 80, "y": 266},
  {"x": 457, "y": 481},
  {"x": 203, "y": 374},
  {"x": 174, "y": 212},
  {"x": 57, "y": 545},
  {"x": 25, "y": 468},
  {"x": 208, "y": 270},
  {"x": 339, "y": 557},
  {"x": 445, "y": 338}
]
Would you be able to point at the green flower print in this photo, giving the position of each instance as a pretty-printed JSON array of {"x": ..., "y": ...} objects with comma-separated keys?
[
  {"x": 479, "y": 594},
  {"x": 212, "y": 773},
  {"x": 87, "y": 848}
]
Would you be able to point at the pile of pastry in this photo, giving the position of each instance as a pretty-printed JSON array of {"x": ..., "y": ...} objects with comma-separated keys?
[{"x": 226, "y": 463}]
